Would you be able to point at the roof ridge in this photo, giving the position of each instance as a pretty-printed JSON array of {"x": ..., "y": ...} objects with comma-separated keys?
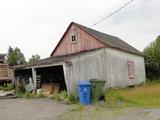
[{"x": 110, "y": 40}]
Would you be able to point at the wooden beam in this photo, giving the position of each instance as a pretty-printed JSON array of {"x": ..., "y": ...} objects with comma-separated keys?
[{"x": 34, "y": 78}]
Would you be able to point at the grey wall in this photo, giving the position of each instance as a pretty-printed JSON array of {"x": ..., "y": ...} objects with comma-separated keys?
[{"x": 107, "y": 64}]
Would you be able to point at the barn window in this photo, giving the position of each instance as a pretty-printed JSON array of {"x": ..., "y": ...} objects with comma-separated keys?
[
  {"x": 74, "y": 38},
  {"x": 130, "y": 69}
]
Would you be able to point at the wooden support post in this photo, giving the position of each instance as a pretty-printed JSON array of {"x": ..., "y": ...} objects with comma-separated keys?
[
  {"x": 17, "y": 85},
  {"x": 12, "y": 76},
  {"x": 34, "y": 78}
]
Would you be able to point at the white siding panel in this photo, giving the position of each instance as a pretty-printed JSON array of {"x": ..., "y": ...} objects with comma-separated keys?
[{"x": 107, "y": 64}]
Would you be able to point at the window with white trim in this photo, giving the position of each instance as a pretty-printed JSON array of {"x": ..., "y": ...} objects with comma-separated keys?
[
  {"x": 130, "y": 69},
  {"x": 74, "y": 38}
]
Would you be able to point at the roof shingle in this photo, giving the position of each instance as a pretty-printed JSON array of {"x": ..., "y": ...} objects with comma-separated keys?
[{"x": 110, "y": 40}]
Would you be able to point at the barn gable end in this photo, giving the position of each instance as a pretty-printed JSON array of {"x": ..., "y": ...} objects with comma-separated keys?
[
  {"x": 84, "y": 42},
  {"x": 78, "y": 38}
]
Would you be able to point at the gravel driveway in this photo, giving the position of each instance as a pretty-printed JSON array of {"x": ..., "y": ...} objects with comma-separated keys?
[
  {"x": 140, "y": 114},
  {"x": 31, "y": 109},
  {"x": 101, "y": 113},
  {"x": 47, "y": 109}
]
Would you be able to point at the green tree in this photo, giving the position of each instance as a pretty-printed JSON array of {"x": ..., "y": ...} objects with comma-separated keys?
[
  {"x": 34, "y": 58},
  {"x": 15, "y": 56},
  {"x": 152, "y": 59}
]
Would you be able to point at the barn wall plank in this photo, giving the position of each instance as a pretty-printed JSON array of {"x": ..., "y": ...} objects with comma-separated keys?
[{"x": 107, "y": 64}]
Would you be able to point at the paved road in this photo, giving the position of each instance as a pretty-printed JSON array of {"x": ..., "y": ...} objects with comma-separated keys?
[{"x": 31, "y": 109}]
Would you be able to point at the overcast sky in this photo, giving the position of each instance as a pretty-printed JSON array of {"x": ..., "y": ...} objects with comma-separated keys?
[{"x": 35, "y": 26}]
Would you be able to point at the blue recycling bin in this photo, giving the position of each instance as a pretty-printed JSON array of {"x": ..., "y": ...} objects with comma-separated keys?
[{"x": 84, "y": 92}]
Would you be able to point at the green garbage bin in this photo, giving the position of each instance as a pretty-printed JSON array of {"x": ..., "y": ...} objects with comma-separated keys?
[{"x": 97, "y": 89}]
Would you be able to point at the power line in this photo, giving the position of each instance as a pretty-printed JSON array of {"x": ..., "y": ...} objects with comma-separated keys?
[{"x": 111, "y": 14}]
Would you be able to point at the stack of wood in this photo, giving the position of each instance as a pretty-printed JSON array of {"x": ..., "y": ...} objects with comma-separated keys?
[{"x": 48, "y": 89}]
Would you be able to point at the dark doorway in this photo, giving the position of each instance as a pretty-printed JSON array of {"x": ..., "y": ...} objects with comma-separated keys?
[
  {"x": 22, "y": 78},
  {"x": 54, "y": 74},
  {"x": 23, "y": 73}
]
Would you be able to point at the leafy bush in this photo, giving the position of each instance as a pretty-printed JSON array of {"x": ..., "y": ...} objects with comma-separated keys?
[{"x": 152, "y": 59}]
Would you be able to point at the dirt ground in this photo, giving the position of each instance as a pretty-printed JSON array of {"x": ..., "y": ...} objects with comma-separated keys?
[
  {"x": 99, "y": 113},
  {"x": 31, "y": 109},
  {"x": 46, "y": 109}
]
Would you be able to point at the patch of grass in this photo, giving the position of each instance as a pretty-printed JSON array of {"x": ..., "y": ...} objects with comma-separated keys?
[
  {"x": 147, "y": 95},
  {"x": 78, "y": 107},
  {"x": 29, "y": 95},
  {"x": 90, "y": 112},
  {"x": 59, "y": 96},
  {"x": 40, "y": 96},
  {"x": 9, "y": 87},
  {"x": 63, "y": 96},
  {"x": 70, "y": 99}
]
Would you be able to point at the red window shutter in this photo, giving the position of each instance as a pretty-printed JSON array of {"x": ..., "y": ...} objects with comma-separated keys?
[{"x": 130, "y": 69}]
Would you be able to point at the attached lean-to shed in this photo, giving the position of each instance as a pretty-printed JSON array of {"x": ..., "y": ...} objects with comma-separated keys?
[{"x": 84, "y": 54}]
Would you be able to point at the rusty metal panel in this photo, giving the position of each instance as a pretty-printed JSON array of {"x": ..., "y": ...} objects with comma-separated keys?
[{"x": 84, "y": 42}]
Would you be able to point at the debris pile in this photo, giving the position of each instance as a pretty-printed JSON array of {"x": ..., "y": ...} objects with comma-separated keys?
[
  {"x": 24, "y": 84},
  {"x": 7, "y": 94}
]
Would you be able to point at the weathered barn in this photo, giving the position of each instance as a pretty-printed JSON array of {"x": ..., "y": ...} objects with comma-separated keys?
[{"x": 83, "y": 54}]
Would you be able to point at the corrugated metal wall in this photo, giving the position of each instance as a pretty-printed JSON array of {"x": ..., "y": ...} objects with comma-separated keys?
[{"x": 107, "y": 64}]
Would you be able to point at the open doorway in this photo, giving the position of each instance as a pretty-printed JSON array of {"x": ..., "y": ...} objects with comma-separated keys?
[
  {"x": 23, "y": 73},
  {"x": 53, "y": 75},
  {"x": 22, "y": 77}
]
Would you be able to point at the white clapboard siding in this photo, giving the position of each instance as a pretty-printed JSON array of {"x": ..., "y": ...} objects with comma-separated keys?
[{"x": 106, "y": 64}]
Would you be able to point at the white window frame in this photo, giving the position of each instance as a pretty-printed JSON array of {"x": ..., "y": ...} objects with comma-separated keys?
[{"x": 74, "y": 35}]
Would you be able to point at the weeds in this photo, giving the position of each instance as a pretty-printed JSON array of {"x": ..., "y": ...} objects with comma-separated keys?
[
  {"x": 8, "y": 88},
  {"x": 59, "y": 96},
  {"x": 29, "y": 95},
  {"x": 145, "y": 96},
  {"x": 63, "y": 96}
]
